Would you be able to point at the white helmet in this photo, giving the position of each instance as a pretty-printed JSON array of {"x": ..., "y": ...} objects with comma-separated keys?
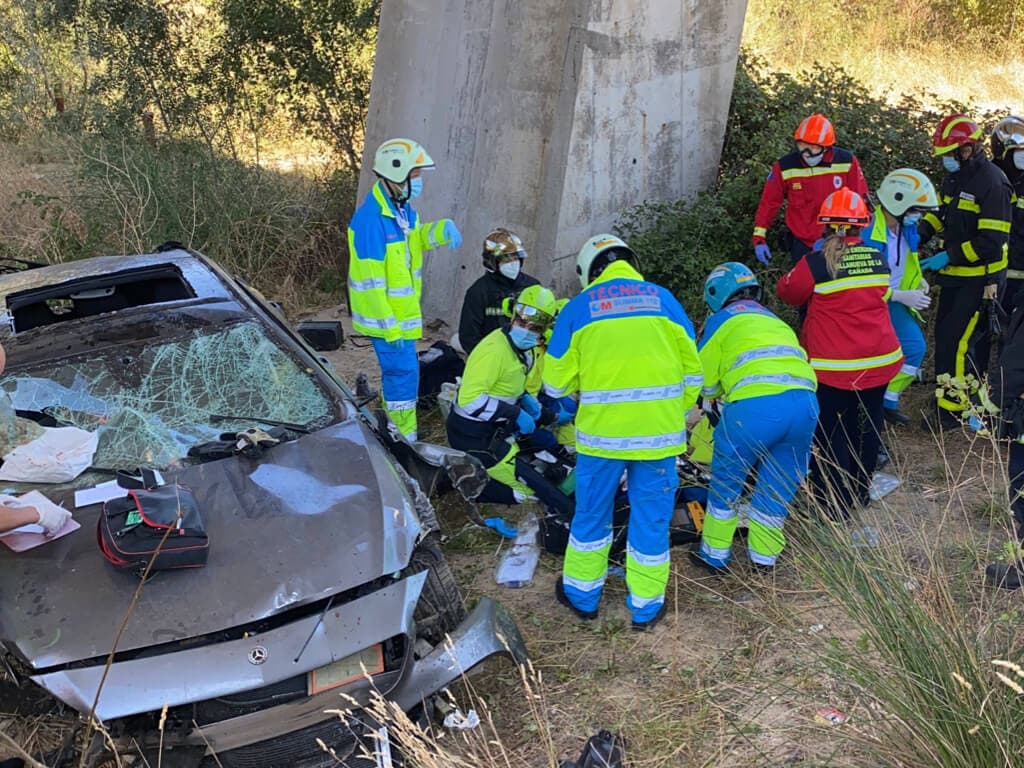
[
  {"x": 595, "y": 247},
  {"x": 906, "y": 188},
  {"x": 396, "y": 159}
]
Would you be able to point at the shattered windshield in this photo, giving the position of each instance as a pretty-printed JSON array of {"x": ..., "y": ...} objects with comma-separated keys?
[{"x": 151, "y": 402}]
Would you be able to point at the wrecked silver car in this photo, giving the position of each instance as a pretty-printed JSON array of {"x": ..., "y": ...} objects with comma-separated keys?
[{"x": 324, "y": 574}]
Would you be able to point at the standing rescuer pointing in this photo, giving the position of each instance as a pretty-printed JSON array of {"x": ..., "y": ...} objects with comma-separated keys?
[
  {"x": 627, "y": 347},
  {"x": 386, "y": 242}
]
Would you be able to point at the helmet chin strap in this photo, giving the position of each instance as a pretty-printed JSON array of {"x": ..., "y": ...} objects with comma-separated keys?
[{"x": 400, "y": 196}]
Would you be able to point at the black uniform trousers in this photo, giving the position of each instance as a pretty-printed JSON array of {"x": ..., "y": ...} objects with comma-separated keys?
[
  {"x": 963, "y": 342},
  {"x": 847, "y": 439}
]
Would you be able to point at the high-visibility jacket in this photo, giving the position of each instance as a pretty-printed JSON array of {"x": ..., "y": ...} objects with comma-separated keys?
[
  {"x": 747, "y": 352},
  {"x": 386, "y": 242},
  {"x": 974, "y": 219},
  {"x": 804, "y": 189},
  {"x": 494, "y": 380},
  {"x": 626, "y": 345},
  {"x": 847, "y": 333},
  {"x": 876, "y": 235}
]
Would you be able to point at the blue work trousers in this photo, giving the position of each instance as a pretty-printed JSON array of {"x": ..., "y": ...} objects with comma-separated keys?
[
  {"x": 652, "y": 486},
  {"x": 400, "y": 382},
  {"x": 911, "y": 337},
  {"x": 771, "y": 434}
]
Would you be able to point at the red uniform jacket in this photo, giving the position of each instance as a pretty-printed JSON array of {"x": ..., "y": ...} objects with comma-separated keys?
[
  {"x": 848, "y": 335},
  {"x": 804, "y": 189}
]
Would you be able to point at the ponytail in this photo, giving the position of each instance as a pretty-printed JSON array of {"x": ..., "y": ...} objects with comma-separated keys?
[{"x": 834, "y": 250}]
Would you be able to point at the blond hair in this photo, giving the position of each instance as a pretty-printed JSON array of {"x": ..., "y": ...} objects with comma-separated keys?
[{"x": 834, "y": 250}]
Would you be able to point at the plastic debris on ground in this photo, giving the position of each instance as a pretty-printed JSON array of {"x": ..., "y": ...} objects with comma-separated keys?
[
  {"x": 866, "y": 537},
  {"x": 829, "y": 716},
  {"x": 882, "y": 485},
  {"x": 459, "y": 721},
  {"x": 816, "y": 628},
  {"x": 520, "y": 560}
]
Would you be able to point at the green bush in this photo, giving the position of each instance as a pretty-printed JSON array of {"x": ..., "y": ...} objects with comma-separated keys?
[{"x": 680, "y": 242}]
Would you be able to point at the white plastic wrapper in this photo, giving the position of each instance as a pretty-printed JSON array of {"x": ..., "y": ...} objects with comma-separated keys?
[{"x": 60, "y": 455}]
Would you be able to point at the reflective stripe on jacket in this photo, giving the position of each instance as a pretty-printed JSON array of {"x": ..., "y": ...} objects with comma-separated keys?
[
  {"x": 804, "y": 189},
  {"x": 626, "y": 345},
  {"x": 385, "y": 266},
  {"x": 974, "y": 219},
  {"x": 747, "y": 352},
  {"x": 876, "y": 235},
  {"x": 847, "y": 333},
  {"x": 494, "y": 380}
]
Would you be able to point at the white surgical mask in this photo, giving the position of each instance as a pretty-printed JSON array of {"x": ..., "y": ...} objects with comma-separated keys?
[
  {"x": 951, "y": 164},
  {"x": 1018, "y": 159},
  {"x": 510, "y": 269},
  {"x": 415, "y": 187},
  {"x": 813, "y": 160}
]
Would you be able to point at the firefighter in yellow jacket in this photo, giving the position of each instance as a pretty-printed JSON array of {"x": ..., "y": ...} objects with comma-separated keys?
[
  {"x": 627, "y": 347},
  {"x": 386, "y": 241}
]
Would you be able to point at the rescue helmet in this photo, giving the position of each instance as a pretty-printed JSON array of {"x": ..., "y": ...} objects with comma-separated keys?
[
  {"x": 952, "y": 132},
  {"x": 559, "y": 306},
  {"x": 905, "y": 189},
  {"x": 1007, "y": 136},
  {"x": 816, "y": 129},
  {"x": 397, "y": 158},
  {"x": 535, "y": 307},
  {"x": 844, "y": 207},
  {"x": 499, "y": 245},
  {"x": 597, "y": 253},
  {"x": 726, "y": 281}
]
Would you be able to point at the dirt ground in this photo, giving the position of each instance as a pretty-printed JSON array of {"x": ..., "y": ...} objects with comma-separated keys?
[{"x": 733, "y": 677}]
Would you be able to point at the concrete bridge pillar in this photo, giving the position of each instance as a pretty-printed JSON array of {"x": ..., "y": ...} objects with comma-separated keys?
[{"x": 550, "y": 117}]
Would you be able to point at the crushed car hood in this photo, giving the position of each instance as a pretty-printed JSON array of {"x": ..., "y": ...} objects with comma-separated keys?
[{"x": 310, "y": 518}]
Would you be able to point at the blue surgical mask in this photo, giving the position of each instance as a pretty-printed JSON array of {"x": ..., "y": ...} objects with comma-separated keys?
[
  {"x": 911, "y": 219},
  {"x": 951, "y": 164},
  {"x": 523, "y": 338},
  {"x": 415, "y": 187}
]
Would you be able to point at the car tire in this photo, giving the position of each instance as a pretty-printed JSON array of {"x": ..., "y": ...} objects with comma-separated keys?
[{"x": 440, "y": 608}]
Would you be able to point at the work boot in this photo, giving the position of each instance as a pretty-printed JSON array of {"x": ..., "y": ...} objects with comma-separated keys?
[
  {"x": 896, "y": 417},
  {"x": 645, "y": 626},
  {"x": 700, "y": 562},
  {"x": 564, "y": 600},
  {"x": 1005, "y": 575}
]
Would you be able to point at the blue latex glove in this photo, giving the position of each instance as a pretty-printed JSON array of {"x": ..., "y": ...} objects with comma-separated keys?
[
  {"x": 530, "y": 404},
  {"x": 936, "y": 262},
  {"x": 525, "y": 423},
  {"x": 763, "y": 254},
  {"x": 451, "y": 234},
  {"x": 562, "y": 417},
  {"x": 569, "y": 404},
  {"x": 502, "y": 526},
  {"x": 819, "y": 244}
]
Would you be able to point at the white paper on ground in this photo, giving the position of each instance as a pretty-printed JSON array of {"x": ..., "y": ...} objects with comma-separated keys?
[{"x": 99, "y": 493}]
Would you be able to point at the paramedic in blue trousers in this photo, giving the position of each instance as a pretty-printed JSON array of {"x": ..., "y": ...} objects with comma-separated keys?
[
  {"x": 386, "y": 242},
  {"x": 627, "y": 347},
  {"x": 754, "y": 366},
  {"x": 904, "y": 196}
]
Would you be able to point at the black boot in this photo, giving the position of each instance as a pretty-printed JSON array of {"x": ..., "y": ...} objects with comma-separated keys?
[
  {"x": 896, "y": 417},
  {"x": 1005, "y": 575}
]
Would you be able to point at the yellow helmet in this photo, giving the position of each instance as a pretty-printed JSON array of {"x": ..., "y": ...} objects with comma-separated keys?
[
  {"x": 535, "y": 306},
  {"x": 397, "y": 158}
]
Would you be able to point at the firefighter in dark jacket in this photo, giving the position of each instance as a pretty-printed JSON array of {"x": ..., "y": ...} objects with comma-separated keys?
[
  {"x": 974, "y": 221},
  {"x": 1009, "y": 387},
  {"x": 1008, "y": 153},
  {"x": 802, "y": 180},
  {"x": 482, "y": 310}
]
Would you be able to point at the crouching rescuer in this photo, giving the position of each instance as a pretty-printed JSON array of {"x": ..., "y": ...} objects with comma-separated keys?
[
  {"x": 493, "y": 407},
  {"x": 754, "y": 365},
  {"x": 627, "y": 347}
]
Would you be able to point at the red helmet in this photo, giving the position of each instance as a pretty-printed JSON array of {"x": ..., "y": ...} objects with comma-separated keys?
[
  {"x": 954, "y": 131},
  {"x": 844, "y": 206},
  {"x": 816, "y": 129}
]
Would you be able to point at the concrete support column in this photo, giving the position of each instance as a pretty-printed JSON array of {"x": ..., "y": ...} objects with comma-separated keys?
[{"x": 550, "y": 117}]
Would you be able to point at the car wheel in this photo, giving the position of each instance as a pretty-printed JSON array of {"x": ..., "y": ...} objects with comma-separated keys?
[{"x": 440, "y": 608}]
